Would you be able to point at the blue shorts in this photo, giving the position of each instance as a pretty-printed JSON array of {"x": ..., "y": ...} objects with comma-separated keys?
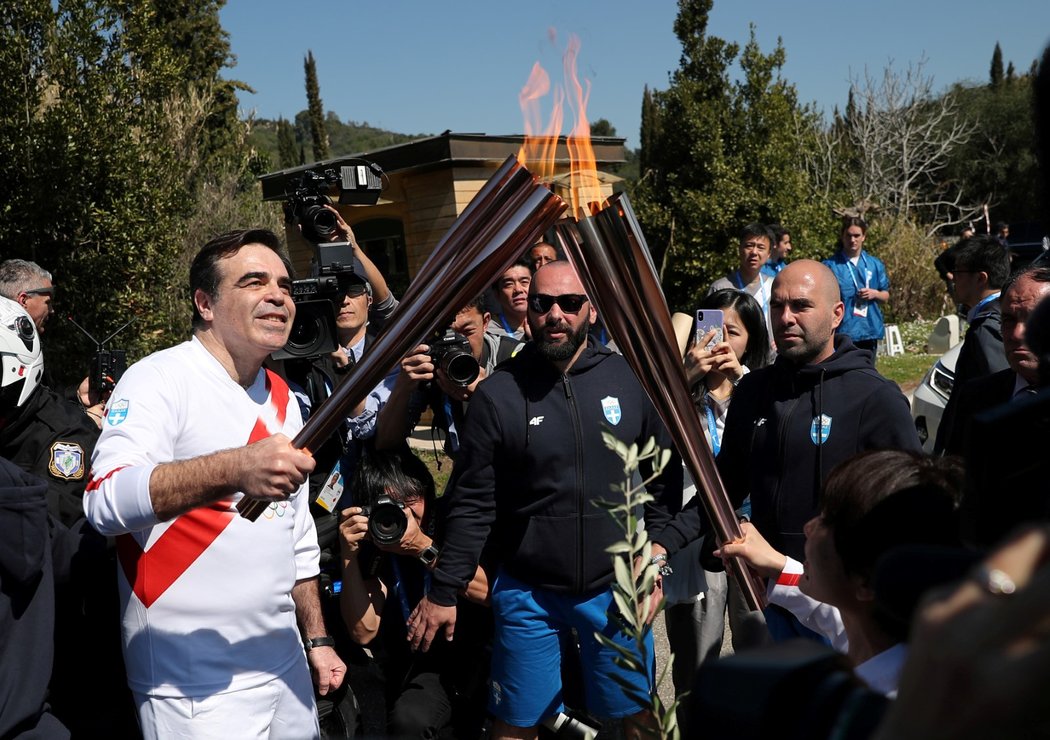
[{"x": 525, "y": 686}]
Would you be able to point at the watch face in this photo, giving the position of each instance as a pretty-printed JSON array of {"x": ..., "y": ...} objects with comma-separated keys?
[{"x": 429, "y": 555}]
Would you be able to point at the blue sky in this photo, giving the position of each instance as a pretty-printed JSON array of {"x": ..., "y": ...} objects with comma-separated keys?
[{"x": 429, "y": 66}]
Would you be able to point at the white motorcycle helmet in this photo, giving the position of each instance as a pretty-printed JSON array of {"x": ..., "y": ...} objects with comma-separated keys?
[{"x": 20, "y": 355}]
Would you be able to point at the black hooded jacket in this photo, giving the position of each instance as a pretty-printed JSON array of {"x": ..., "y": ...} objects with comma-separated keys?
[
  {"x": 535, "y": 461},
  {"x": 769, "y": 447}
]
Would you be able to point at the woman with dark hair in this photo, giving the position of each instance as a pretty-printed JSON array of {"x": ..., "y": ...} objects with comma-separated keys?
[
  {"x": 715, "y": 371},
  {"x": 863, "y": 285},
  {"x": 695, "y": 616},
  {"x": 871, "y": 504}
]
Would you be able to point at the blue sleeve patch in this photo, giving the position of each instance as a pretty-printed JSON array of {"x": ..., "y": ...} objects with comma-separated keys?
[{"x": 118, "y": 412}]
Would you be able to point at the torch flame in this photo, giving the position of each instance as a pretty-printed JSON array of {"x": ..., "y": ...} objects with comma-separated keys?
[
  {"x": 539, "y": 150},
  {"x": 586, "y": 192},
  {"x": 540, "y": 144}
]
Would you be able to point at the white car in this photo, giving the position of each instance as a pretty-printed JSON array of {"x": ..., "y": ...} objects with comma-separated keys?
[{"x": 931, "y": 396}]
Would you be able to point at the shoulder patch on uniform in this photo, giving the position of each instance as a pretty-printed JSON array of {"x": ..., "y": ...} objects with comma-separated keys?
[
  {"x": 611, "y": 409},
  {"x": 67, "y": 461},
  {"x": 118, "y": 412}
]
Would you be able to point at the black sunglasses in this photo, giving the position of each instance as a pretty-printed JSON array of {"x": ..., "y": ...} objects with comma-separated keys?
[
  {"x": 568, "y": 302},
  {"x": 40, "y": 291}
]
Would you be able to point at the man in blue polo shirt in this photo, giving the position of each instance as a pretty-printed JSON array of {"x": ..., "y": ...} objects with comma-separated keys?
[{"x": 863, "y": 285}]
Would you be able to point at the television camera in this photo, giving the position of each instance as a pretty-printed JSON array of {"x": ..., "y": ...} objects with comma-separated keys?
[
  {"x": 359, "y": 184},
  {"x": 317, "y": 303}
]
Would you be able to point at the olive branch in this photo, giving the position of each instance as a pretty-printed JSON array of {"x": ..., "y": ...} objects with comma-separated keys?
[{"x": 635, "y": 581}]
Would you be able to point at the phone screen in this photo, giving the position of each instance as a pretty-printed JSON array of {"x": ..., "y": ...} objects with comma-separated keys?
[{"x": 706, "y": 320}]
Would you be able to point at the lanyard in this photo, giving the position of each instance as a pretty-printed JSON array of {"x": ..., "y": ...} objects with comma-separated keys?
[
  {"x": 712, "y": 428},
  {"x": 506, "y": 326},
  {"x": 983, "y": 302},
  {"x": 763, "y": 302},
  {"x": 399, "y": 587},
  {"x": 854, "y": 270}
]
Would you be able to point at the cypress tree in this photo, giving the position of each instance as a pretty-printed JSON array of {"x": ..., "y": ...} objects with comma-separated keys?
[
  {"x": 650, "y": 132},
  {"x": 313, "y": 97},
  {"x": 996, "y": 72},
  {"x": 286, "y": 150}
]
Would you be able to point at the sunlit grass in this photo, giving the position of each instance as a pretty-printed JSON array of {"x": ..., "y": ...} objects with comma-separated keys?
[{"x": 905, "y": 369}]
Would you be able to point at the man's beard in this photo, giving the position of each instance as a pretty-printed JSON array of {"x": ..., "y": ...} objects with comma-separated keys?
[{"x": 566, "y": 349}]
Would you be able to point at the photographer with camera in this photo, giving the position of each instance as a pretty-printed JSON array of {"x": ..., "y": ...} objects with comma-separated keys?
[
  {"x": 388, "y": 554},
  {"x": 443, "y": 375},
  {"x": 381, "y": 301},
  {"x": 342, "y": 309}
]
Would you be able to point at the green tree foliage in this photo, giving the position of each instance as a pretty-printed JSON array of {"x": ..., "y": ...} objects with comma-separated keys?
[
  {"x": 287, "y": 152},
  {"x": 344, "y": 138},
  {"x": 995, "y": 73},
  {"x": 998, "y": 164},
  {"x": 190, "y": 30},
  {"x": 318, "y": 132},
  {"x": 731, "y": 157},
  {"x": 101, "y": 144},
  {"x": 602, "y": 127}
]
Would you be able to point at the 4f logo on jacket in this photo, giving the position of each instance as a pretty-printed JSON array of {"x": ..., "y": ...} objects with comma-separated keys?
[
  {"x": 820, "y": 429},
  {"x": 611, "y": 409}
]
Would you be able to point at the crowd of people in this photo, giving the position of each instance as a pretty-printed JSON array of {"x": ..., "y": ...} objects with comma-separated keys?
[{"x": 139, "y": 598}]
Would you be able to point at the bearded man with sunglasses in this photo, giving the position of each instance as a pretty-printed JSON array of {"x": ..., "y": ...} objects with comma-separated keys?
[{"x": 527, "y": 480}]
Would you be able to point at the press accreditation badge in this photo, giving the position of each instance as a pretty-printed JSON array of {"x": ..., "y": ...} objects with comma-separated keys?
[
  {"x": 860, "y": 310},
  {"x": 331, "y": 491}
]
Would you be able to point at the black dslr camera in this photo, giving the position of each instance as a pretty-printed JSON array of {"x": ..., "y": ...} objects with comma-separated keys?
[
  {"x": 305, "y": 205},
  {"x": 387, "y": 520},
  {"x": 451, "y": 352}
]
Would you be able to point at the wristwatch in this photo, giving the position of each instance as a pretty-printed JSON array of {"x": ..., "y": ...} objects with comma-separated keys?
[
  {"x": 429, "y": 556},
  {"x": 665, "y": 567},
  {"x": 315, "y": 642}
]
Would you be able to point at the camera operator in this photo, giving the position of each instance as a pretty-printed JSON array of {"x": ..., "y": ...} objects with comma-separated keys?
[
  {"x": 381, "y": 301},
  {"x": 425, "y": 379},
  {"x": 364, "y": 309},
  {"x": 360, "y": 313},
  {"x": 388, "y": 554}
]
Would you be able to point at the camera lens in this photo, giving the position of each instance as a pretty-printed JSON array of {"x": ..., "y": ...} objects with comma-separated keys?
[
  {"x": 305, "y": 334},
  {"x": 461, "y": 368},
  {"x": 322, "y": 220},
  {"x": 387, "y": 523}
]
